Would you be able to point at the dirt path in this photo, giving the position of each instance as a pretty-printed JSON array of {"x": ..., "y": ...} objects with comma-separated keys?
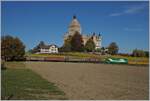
[{"x": 95, "y": 81}]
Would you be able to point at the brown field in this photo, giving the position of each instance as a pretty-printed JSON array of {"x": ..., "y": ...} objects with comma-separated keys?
[{"x": 96, "y": 81}]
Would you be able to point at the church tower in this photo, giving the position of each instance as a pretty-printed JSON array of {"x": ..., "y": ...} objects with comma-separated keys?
[{"x": 74, "y": 26}]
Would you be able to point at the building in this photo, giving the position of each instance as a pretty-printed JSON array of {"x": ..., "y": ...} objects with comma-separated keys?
[
  {"x": 76, "y": 27},
  {"x": 49, "y": 49}
]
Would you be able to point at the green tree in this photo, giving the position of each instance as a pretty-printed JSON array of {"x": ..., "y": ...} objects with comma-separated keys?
[
  {"x": 67, "y": 45},
  {"x": 37, "y": 48},
  {"x": 77, "y": 42},
  {"x": 113, "y": 48},
  {"x": 90, "y": 45},
  {"x": 12, "y": 48},
  {"x": 138, "y": 53},
  {"x": 147, "y": 53}
]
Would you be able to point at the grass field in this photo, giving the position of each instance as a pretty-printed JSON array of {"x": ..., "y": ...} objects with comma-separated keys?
[{"x": 24, "y": 84}]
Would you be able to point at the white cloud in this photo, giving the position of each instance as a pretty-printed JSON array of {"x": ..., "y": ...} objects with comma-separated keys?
[{"x": 131, "y": 10}]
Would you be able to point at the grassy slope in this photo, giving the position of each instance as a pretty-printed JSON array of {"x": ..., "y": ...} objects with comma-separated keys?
[
  {"x": 70, "y": 54},
  {"x": 25, "y": 84}
]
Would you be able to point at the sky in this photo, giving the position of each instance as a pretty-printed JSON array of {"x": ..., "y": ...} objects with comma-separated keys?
[{"x": 123, "y": 22}]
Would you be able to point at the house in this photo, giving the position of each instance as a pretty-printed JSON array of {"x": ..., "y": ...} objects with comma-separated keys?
[{"x": 49, "y": 49}]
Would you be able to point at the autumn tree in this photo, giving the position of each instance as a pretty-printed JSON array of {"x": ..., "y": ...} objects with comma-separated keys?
[{"x": 12, "y": 48}]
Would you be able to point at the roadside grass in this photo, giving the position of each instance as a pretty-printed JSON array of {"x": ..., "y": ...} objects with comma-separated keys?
[{"x": 24, "y": 84}]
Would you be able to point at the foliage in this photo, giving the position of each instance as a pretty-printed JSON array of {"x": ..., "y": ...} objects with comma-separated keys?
[
  {"x": 77, "y": 43},
  {"x": 124, "y": 54},
  {"x": 147, "y": 53},
  {"x": 12, "y": 48},
  {"x": 3, "y": 67},
  {"x": 98, "y": 50},
  {"x": 113, "y": 48},
  {"x": 30, "y": 51},
  {"x": 67, "y": 45},
  {"x": 37, "y": 48},
  {"x": 138, "y": 53},
  {"x": 23, "y": 84},
  {"x": 90, "y": 45}
]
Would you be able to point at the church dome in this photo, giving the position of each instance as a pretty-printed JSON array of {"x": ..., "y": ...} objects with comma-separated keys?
[
  {"x": 74, "y": 22},
  {"x": 74, "y": 26}
]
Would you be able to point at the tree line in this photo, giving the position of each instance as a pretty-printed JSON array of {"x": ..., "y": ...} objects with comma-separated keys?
[
  {"x": 12, "y": 48},
  {"x": 75, "y": 43}
]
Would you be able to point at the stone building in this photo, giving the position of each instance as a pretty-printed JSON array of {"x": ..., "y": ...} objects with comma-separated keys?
[{"x": 76, "y": 27}]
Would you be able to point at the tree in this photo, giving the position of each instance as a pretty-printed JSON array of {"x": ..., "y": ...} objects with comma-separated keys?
[
  {"x": 3, "y": 66},
  {"x": 90, "y": 45},
  {"x": 37, "y": 48},
  {"x": 147, "y": 53},
  {"x": 77, "y": 42},
  {"x": 30, "y": 51},
  {"x": 138, "y": 53},
  {"x": 98, "y": 50},
  {"x": 67, "y": 45},
  {"x": 103, "y": 50},
  {"x": 12, "y": 48},
  {"x": 113, "y": 48}
]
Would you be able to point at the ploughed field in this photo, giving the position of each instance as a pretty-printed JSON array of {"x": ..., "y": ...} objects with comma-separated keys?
[{"x": 87, "y": 81}]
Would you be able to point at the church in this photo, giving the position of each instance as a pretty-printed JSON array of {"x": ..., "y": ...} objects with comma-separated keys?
[{"x": 76, "y": 27}]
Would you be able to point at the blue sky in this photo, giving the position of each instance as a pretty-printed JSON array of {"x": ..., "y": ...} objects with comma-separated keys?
[{"x": 125, "y": 23}]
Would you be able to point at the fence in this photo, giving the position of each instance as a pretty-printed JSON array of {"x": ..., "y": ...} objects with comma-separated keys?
[{"x": 63, "y": 59}]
